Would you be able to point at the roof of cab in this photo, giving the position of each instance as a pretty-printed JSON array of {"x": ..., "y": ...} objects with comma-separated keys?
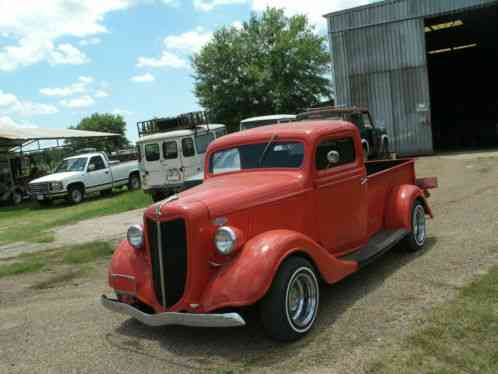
[
  {"x": 306, "y": 130},
  {"x": 178, "y": 133},
  {"x": 269, "y": 118}
]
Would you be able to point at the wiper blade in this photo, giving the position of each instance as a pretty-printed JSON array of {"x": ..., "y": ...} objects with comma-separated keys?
[{"x": 265, "y": 151}]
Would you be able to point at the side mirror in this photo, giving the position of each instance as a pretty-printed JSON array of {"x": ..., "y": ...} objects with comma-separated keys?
[
  {"x": 91, "y": 167},
  {"x": 333, "y": 157}
]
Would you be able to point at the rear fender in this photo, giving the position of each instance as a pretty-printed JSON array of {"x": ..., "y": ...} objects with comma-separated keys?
[
  {"x": 399, "y": 206},
  {"x": 248, "y": 277}
]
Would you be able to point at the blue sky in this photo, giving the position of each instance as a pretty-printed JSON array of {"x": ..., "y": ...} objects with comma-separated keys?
[{"x": 61, "y": 60}]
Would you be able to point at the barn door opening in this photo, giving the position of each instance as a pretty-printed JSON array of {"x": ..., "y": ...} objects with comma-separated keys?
[{"x": 462, "y": 59}]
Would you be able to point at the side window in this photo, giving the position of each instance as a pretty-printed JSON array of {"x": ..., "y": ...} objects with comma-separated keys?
[
  {"x": 188, "y": 147},
  {"x": 345, "y": 147},
  {"x": 98, "y": 162},
  {"x": 152, "y": 152},
  {"x": 202, "y": 142},
  {"x": 170, "y": 150}
]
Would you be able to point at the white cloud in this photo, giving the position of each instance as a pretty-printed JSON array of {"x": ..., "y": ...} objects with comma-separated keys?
[
  {"x": 315, "y": 10},
  {"x": 90, "y": 41},
  {"x": 84, "y": 101},
  {"x": 100, "y": 94},
  {"x": 167, "y": 59},
  {"x": 78, "y": 87},
  {"x": 238, "y": 25},
  {"x": 10, "y": 103},
  {"x": 7, "y": 123},
  {"x": 67, "y": 54},
  {"x": 33, "y": 28},
  {"x": 208, "y": 5},
  {"x": 147, "y": 77},
  {"x": 191, "y": 41}
]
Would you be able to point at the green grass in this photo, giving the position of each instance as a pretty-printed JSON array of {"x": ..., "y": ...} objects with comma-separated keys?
[
  {"x": 461, "y": 336},
  {"x": 31, "y": 223},
  {"x": 77, "y": 255}
]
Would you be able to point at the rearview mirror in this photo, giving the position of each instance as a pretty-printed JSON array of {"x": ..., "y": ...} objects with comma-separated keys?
[
  {"x": 333, "y": 157},
  {"x": 91, "y": 167}
]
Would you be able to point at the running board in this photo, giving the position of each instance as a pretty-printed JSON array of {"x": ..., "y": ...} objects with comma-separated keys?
[{"x": 379, "y": 244}]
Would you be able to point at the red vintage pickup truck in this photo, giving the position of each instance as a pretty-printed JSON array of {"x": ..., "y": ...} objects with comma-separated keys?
[{"x": 282, "y": 208}]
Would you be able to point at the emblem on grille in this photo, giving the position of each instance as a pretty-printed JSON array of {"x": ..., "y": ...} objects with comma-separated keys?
[{"x": 164, "y": 202}]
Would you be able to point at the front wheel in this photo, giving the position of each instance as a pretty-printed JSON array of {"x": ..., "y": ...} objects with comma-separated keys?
[
  {"x": 289, "y": 309},
  {"x": 76, "y": 195},
  {"x": 415, "y": 240}
]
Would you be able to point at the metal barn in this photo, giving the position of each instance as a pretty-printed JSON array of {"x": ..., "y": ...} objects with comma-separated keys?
[{"x": 427, "y": 70}]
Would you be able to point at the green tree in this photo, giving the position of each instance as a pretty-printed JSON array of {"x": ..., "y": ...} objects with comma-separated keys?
[
  {"x": 104, "y": 122},
  {"x": 274, "y": 64}
]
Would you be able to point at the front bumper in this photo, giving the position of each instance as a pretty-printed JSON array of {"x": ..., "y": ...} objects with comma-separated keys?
[{"x": 169, "y": 318}]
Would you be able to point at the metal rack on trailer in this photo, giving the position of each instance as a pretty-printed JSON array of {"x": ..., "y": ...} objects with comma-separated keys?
[{"x": 165, "y": 124}]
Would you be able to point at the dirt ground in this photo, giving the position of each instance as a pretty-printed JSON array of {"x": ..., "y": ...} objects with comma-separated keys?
[{"x": 65, "y": 330}]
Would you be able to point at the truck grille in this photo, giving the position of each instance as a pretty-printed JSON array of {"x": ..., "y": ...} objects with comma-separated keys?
[
  {"x": 39, "y": 188},
  {"x": 168, "y": 253}
]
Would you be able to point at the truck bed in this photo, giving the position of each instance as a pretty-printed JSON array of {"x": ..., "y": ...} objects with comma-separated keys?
[{"x": 383, "y": 177}]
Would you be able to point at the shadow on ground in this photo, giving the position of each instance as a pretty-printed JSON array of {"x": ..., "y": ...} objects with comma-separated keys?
[{"x": 209, "y": 349}]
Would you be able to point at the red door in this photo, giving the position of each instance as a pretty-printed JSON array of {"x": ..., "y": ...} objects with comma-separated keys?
[{"x": 341, "y": 194}]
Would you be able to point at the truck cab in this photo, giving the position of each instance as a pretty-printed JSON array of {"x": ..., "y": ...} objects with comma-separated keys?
[
  {"x": 168, "y": 159},
  {"x": 281, "y": 207}
]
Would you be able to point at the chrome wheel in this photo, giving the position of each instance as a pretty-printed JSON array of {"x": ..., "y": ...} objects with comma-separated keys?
[
  {"x": 301, "y": 299},
  {"x": 419, "y": 225},
  {"x": 76, "y": 196},
  {"x": 135, "y": 183}
]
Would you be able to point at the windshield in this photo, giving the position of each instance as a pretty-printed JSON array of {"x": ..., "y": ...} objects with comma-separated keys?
[
  {"x": 72, "y": 164},
  {"x": 247, "y": 156}
]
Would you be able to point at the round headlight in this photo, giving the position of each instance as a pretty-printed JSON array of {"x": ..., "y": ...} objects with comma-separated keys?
[
  {"x": 135, "y": 236},
  {"x": 225, "y": 240}
]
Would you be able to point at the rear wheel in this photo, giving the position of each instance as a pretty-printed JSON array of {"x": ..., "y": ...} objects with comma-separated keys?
[
  {"x": 289, "y": 309},
  {"x": 76, "y": 194},
  {"x": 415, "y": 241},
  {"x": 134, "y": 182}
]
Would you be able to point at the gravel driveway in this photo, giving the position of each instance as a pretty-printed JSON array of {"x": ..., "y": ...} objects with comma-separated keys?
[{"x": 65, "y": 330}]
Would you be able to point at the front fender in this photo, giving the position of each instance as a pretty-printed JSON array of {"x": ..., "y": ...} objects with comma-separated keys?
[
  {"x": 130, "y": 274},
  {"x": 399, "y": 206},
  {"x": 248, "y": 277}
]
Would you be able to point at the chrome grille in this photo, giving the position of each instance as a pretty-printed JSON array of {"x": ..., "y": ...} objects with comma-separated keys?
[
  {"x": 39, "y": 188},
  {"x": 168, "y": 253}
]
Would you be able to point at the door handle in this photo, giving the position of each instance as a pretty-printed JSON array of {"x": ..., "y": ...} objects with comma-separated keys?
[
  {"x": 363, "y": 180},
  {"x": 107, "y": 172}
]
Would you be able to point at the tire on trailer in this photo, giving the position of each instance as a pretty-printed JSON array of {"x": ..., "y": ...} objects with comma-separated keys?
[
  {"x": 289, "y": 309},
  {"x": 415, "y": 240},
  {"x": 158, "y": 196},
  {"x": 134, "y": 182},
  {"x": 76, "y": 194},
  {"x": 16, "y": 197}
]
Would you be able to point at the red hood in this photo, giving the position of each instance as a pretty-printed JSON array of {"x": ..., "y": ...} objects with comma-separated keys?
[{"x": 225, "y": 194}]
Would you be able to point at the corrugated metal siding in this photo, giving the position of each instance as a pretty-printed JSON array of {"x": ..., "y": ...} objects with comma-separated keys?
[
  {"x": 397, "y": 10},
  {"x": 385, "y": 69}
]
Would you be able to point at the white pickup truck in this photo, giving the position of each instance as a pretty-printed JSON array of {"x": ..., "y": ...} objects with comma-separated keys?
[{"x": 82, "y": 174}]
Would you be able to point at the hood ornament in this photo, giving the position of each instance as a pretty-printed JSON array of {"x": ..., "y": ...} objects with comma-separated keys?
[{"x": 164, "y": 202}]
